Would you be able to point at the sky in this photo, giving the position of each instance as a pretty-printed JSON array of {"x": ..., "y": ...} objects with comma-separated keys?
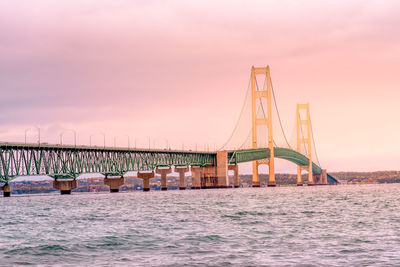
[{"x": 176, "y": 72}]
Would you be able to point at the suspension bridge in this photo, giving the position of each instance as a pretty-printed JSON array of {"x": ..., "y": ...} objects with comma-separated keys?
[{"x": 252, "y": 140}]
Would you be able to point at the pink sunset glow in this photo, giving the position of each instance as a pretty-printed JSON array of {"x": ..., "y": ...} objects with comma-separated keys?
[{"x": 177, "y": 72}]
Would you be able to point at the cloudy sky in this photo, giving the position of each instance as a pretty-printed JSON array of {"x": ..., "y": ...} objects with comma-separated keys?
[{"x": 177, "y": 72}]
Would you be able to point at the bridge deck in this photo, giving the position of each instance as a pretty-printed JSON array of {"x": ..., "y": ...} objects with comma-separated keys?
[
  {"x": 61, "y": 161},
  {"x": 96, "y": 148}
]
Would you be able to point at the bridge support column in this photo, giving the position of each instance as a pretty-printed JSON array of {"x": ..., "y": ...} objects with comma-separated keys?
[
  {"x": 209, "y": 178},
  {"x": 304, "y": 136},
  {"x": 316, "y": 179},
  {"x": 299, "y": 178},
  {"x": 311, "y": 179},
  {"x": 163, "y": 172},
  {"x": 235, "y": 169},
  {"x": 146, "y": 176},
  {"x": 262, "y": 121},
  {"x": 6, "y": 190},
  {"x": 324, "y": 177},
  {"x": 65, "y": 186},
  {"x": 222, "y": 169},
  {"x": 114, "y": 183},
  {"x": 255, "y": 182},
  {"x": 181, "y": 170},
  {"x": 196, "y": 176},
  {"x": 320, "y": 179},
  {"x": 271, "y": 178}
]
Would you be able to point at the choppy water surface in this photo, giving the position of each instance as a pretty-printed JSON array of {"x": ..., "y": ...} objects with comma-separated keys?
[{"x": 331, "y": 225}]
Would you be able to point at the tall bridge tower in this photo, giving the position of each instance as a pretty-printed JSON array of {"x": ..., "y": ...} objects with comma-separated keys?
[
  {"x": 304, "y": 139},
  {"x": 265, "y": 121}
]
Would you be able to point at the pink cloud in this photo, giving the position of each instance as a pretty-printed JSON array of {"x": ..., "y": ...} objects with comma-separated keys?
[{"x": 178, "y": 70}]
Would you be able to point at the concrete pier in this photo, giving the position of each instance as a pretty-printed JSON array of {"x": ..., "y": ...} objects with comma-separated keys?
[
  {"x": 311, "y": 181},
  {"x": 196, "y": 176},
  {"x": 209, "y": 177},
  {"x": 299, "y": 177},
  {"x": 324, "y": 177},
  {"x": 181, "y": 170},
  {"x": 312, "y": 178},
  {"x": 271, "y": 180},
  {"x": 163, "y": 171},
  {"x": 114, "y": 183},
  {"x": 255, "y": 182},
  {"x": 222, "y": 169},
  {"x": 320, "y": 179},
  {"x": 65, "y": 186},
  {"x": 146, "y": 176},
  {"x": 6, "y": 190},
  {"x": 235, "y": 169}
]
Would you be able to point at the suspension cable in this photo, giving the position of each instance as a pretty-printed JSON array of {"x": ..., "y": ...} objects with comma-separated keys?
[
  {"x": 240, "y": 115},
  {"x": 248, "y": 137},
  {"x": 262, "y": 107},
  {"x": 315, "y": 148},
  {"x": 277, "y": 111}
]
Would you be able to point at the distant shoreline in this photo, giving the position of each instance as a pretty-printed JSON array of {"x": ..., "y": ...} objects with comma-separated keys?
[{"x": 96, "y": 185}]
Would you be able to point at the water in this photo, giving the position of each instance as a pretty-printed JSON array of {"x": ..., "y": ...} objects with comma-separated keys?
[{"x": 331, "y": 226}]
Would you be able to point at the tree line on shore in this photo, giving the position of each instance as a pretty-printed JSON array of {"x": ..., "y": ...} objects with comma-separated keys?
[{"x": 96, "y": 184}]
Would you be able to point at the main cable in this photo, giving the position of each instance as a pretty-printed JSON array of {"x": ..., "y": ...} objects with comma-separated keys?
[
  {"x": 312, "y": 134},
  {"x": 277, "y": 111},
  {"x": 262, "y": 105},
  {"x": 240, "y": 115},
  {"x": 248, "y": 136}
]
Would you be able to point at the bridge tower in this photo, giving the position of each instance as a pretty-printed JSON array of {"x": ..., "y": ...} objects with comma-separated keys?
[
  {"x": 304, "y": 139},
  {"x": 262, "y": 94}
]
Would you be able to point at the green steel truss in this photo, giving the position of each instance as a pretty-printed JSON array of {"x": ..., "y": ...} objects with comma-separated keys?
[
  {"x": 282, "y": 153},
  {"x": 70, "y": 161},
  {"x": 240, "y": 156}
]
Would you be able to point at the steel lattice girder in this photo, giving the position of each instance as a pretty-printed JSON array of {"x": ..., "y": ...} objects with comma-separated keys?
[
  {"x": 283, "y": 153},
  {"x": 69, "y": 161},
  {"x": 240, "y": 156}
]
